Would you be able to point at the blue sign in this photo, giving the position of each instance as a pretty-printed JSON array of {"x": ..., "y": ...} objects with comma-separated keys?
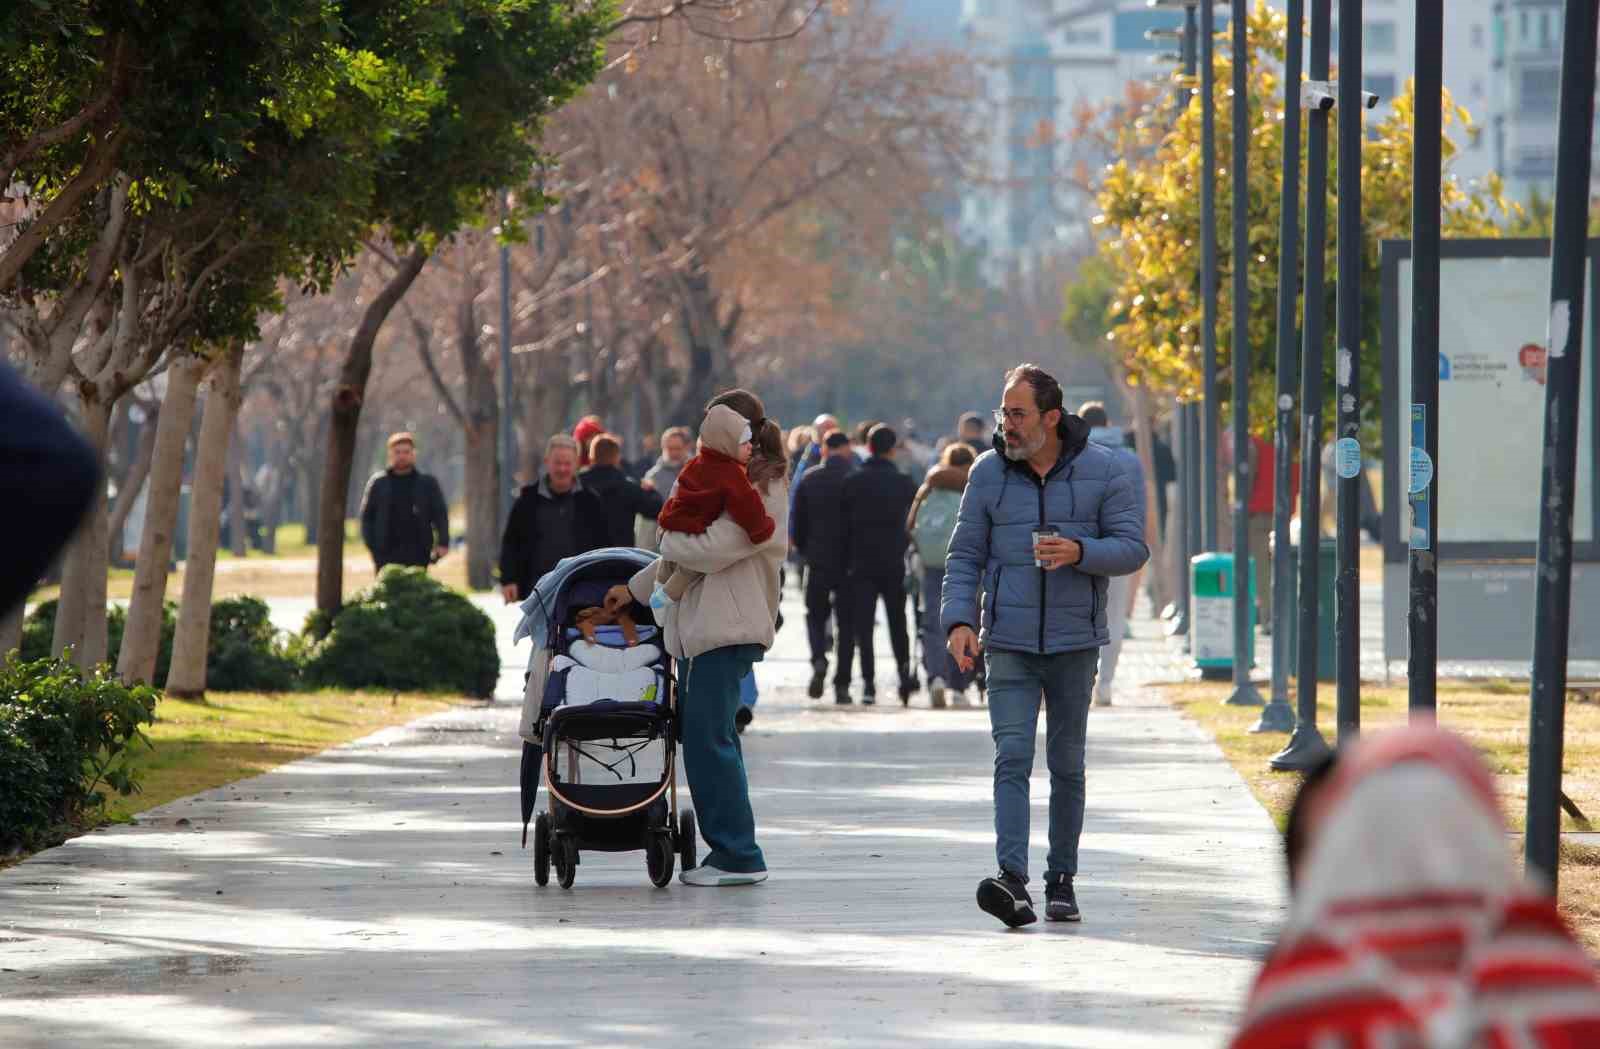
[
  {"x": 1347, "y": 457},
  {"x": 1421, "y": 537},
  {"x": 1444, "y": 367}
]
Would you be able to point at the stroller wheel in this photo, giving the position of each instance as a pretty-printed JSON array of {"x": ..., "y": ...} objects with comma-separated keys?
[
  {"x": 541, "y": 850},
  {"x": 659, "y": 859},
  {"x": 688, "y": 848},
  {"x": 566, "y": 850}
]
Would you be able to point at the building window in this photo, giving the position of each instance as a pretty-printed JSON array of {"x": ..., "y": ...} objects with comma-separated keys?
[
  {"x": 1477, "y": 87},
  {"x": 1083, "y": 37},
  {"x": 1477, "y": 36},
  {"x": 1380, "y": 84},
  {"x": 1378, "y": 38},
  {"x": 1539, "y": 92}
]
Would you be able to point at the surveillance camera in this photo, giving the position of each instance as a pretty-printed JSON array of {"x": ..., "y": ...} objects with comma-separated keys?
[
  {"x": 1369, "y": 99},
  {"x": 1318, "y": 95}
]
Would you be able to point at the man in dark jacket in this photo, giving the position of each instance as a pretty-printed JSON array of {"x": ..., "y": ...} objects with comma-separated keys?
[
  {"x": 877, "y": 501},
  {"x": 1047, "y": 518},
  {"x": 621, "y": 498},
  {"x": 404, "y": 519},
  {"x": 554, "y": 519},
  {"x": 817, "y": 529}
]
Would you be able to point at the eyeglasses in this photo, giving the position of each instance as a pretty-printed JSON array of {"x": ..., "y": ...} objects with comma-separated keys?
[{"x": 1015, "y": 416}]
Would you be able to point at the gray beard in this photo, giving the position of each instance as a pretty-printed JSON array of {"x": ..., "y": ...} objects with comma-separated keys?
[{"x": 1020, "y": 452}]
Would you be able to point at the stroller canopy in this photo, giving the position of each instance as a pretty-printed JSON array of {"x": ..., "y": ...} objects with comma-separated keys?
[{"x": 546, "y": 600}]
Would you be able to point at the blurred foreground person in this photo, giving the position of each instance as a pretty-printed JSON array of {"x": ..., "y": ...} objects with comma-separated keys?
[
  {"x": 1409, "y": 927},
  {"x": 931, "y": 524},
  {"x": 47, "y": 468},
  {"x": 876, "y": 502}
]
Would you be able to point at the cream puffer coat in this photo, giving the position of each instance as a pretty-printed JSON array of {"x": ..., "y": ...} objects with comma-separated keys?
[{"x": 737, "y": 601}]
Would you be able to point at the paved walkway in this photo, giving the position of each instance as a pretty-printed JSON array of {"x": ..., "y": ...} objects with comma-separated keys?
[{"x": 376, "y": 896}]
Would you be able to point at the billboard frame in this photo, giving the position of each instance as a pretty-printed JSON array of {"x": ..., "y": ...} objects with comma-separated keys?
[{"x": 1391, "y": 253}]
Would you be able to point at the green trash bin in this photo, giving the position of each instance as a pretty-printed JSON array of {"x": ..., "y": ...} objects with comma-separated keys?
[
  {"x": 1327, "y": 563},
  {"x": 1211, "y": 613}
]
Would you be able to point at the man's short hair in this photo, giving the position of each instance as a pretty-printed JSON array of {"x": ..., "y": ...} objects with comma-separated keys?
[
  {"x": 680, "y": 432},
  {"x": 881, "y": 440},
  {"x": 559, "y": 441},
  {"x": 1094, "y": 413},
  {"x": 1046, "y": 391},
  {"x": 835, "y": 440},
  {"x": 605, "y": 449},
  {"x": 403, "y": 437},
  {"x": 969, "y": 419},
  {"x": 864, "y": 430}
]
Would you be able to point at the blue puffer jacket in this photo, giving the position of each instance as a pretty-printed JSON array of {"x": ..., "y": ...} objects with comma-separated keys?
[{"x": 1093, "y": 495}]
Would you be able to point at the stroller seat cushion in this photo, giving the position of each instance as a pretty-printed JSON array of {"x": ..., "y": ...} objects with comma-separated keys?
[
  {"x": 580, "y": 685},
  {"x": 610, "y": 660}
]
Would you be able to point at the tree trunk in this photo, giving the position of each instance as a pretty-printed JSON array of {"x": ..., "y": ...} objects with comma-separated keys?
[
  {"x": 141, "y": 639},
  {"x": 83, "y": 564},
  {"x": 348, "y": 396},
  {"x": 128, "y": 492},
  {"x": 187, "y": 679},
  {"x": 11, "y": 630},
  {"x": 481, "y": 418},
  {"x": 240, "y": 533}
]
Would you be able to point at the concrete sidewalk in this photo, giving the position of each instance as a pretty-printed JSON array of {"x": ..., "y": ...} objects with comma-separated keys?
[{"x": 376, "y": 895}]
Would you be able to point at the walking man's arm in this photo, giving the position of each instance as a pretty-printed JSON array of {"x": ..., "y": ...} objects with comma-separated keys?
[{"x": 1120, "y": 549}]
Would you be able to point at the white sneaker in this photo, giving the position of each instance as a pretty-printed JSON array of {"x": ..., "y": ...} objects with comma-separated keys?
[
  {"x": 711, "y": 878},
  {"x": 936, "y": 692},
  {"x": 1102, "y": 699},
  {"x": 958, "y": 698}
]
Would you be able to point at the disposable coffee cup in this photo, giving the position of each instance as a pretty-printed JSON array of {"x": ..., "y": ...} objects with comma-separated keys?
[{"x": 1047, "y": 532}]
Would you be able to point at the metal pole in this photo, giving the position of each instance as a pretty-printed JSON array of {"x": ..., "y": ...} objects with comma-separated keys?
[
  {"x": 1193, "y": 442},
  {"x": 1553, "y": 587},
  {"x": 1278, "y": 717},
  {"x": 1347, "y": 375},
  {"x": 508, "y": 452},
  {"x": 1208, "y": 271},
  {"x": 1306, "y": 747},
  {"x": 1244, "y": 649},
  {"x": 1188, "y": 494},
  {"x": 1422, "y": 621}
]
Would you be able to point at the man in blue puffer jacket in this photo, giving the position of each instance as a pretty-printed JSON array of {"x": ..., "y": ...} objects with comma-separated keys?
[{"x": 1037, "y": 607}]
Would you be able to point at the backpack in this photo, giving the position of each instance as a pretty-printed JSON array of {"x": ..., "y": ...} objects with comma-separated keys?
[{"x": 936, "y": 523}]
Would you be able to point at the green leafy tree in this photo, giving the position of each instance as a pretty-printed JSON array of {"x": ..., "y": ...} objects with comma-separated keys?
[{"x": 1149, "y": 230}]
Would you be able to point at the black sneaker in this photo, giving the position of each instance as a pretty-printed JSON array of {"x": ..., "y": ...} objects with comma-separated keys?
[
  {"x": 742, "y": 718},
  {"x": 869, "y": 698},
  {"x": 1060, "y": 904},
  {"x": 908, "y": 685},
  {"x": 841, "y": 696},
  {"x": 819, "y": 680},
  {"x": 1006, "y": 897}
]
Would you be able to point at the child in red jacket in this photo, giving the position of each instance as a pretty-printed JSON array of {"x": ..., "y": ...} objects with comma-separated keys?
[{"x": 711, "y": 484}]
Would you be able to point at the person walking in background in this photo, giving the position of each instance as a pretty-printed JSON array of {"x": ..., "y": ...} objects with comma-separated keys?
[
  {"x": 554, "y": 519},
  {"x": 622, "y": 499},
  {"x": 1046, "y": 519},
  {"x": 588, "y": 428},
  {"x": 1119, "y": 589},
  {"x": 660, "y": 478},
  {"x": 969, "y": 431},
  {"x": 649, "y": 449},
  {"x": 914, "y": 456},
  {"x": 819, "y": 534},
  {"x": 1408, "y": 923},
  {"x": 931, "y": 523},
  {"x": 404, "y": 518},
  {"x": 820, "y": 429},
  {"x": 877, "y": 501}
]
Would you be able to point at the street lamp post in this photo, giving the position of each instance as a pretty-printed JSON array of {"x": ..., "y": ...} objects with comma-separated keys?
[
  {"x": 1208, "y": 271},
  {"x": 1244, "y": 692},
  {"x": 1307, "y": 748},
  {"x": 1278, "y": 717},
  {"x": 1347, "y": 376},
  {"x": 508, "y": 452},
  {"x": 1553, "y": 588}
]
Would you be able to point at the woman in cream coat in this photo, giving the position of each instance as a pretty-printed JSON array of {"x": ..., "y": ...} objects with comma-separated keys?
[{"x": 720, "y": 628}]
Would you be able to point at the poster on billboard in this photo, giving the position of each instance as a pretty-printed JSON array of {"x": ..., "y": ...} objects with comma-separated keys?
[{"x": 1493, "y": 314}]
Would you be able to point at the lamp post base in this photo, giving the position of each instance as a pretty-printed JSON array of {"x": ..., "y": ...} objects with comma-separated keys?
[
  {"x": 1306, "y": 750},
  {"x": 1245, "y": 695},
  {"x": 1277, "y": 717}
]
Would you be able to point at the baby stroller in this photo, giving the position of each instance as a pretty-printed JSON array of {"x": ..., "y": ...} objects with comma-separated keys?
[{"x": 599, "y": 726}]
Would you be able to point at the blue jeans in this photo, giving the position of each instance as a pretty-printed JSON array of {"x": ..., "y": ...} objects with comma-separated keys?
[
  {"x": 708, "y": 698},
  {"x": 1017, "y": 683},
  {"x": 748, "y": 693}
]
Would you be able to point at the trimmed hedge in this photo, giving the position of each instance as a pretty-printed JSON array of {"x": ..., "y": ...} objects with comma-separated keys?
[
  {"x": 40, "y": 627},
  {"x": 246, "y": 653},
  {"x": 66, "y": 737},
  {"x": 407, "y": 633}
]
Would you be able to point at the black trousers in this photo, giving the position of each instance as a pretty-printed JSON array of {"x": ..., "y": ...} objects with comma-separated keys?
[
  {"x": 827, "y": 598},
  {"x": 865, "y": 590}
]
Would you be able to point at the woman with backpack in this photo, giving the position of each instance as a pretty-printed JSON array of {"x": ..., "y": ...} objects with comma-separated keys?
[{"x": 931, "y": 523}]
